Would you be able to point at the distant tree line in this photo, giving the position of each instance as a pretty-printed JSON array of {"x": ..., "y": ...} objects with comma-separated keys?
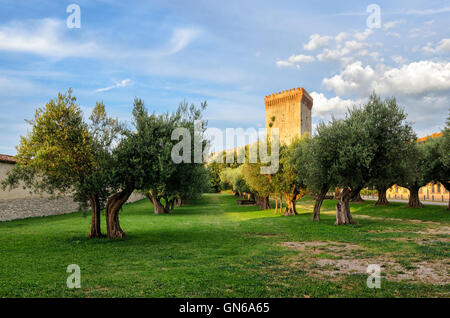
[{"x": 373, "y": 146}]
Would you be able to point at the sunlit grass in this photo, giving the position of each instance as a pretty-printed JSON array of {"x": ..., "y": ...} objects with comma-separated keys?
[{"x": 213, "y": 248}]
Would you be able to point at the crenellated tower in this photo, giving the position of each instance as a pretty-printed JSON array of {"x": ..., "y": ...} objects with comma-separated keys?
[{"x": 290, "y": 112}]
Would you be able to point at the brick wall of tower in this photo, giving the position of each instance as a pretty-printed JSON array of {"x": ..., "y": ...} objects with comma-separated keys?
[{"x": 291, "y": 110}]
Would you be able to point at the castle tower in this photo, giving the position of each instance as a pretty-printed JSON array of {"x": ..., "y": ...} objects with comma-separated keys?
[{"x": 290, "y": 112}]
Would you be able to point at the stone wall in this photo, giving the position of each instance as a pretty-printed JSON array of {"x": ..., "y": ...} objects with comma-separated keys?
[
  {"x": 11, "y": 209},
  {"x": 35, "y": 206},
  {"x": 291, "y": 110},
  {"x": 19, "y": 203},
  {"x": 18, "y": 193}
]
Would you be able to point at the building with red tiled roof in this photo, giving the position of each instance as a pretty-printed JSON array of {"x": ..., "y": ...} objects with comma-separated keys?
[
  {"x": 435, "y": 135},
  {"x": 7, "y": 159},
  {"x": 433, "y": 191}
]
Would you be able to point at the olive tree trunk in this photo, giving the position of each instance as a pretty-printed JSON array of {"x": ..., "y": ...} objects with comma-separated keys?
[
  {"x": 319, "y": 200},
  {"x": 414, "y": 201},
  {"x": 263, "y": 203},
  {"x": 446, "y": 185},
  {"x": 113, "y": 206},
  {"x": 96, "y": 232},
  {"x": 382, "y": 197},
  {"x": 356, "y": 195},
  {"x": 278, "y": 202},
  {"x": 343, "y": 215},
  {"x": 166, "y": 205},
  {"x": 158, "y": 208},
  {"x": 291, "y": 200}
]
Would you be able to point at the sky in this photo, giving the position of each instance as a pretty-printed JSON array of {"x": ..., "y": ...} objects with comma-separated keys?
[{"x": 228, "y": 53}]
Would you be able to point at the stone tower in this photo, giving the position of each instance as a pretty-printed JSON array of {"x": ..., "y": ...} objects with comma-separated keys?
[{"x": 290, "y": 112}]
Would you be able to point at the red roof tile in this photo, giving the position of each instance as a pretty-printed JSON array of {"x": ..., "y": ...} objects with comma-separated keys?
[
  {"x": 7, "y": 159},
  {"x": 435, "y": 135}
]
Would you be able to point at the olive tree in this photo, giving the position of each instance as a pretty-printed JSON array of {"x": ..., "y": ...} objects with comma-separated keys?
[
  {"x": 392, "y": 137},
  {"x": 315, "y": 164},
  {"x": 63, "y": 155}
]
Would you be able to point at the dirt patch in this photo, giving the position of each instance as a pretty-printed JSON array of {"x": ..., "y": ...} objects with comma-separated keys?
[
  {"x": 430, "y": 272},
  {"x": 266, "y": 235},
  {"x": 422, "y": 241},
  {"x": 97, "y": 288},
  {"x": 435, "y": 273},
  {"x": 386, "y": 231},
  {"x": 426, "y": 272},
  {"x": 330, "y": 249},
  {"x": 328, "y": 246},
  {"x": 363, "y": 216},
  {"x": 436, "y": 231}
]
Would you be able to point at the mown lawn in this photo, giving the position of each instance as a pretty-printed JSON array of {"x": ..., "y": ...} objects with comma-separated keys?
[{"x": 214, "y": 248}]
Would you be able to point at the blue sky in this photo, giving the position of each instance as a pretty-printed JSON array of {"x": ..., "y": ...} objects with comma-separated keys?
[{"x": 229, "y": 53}]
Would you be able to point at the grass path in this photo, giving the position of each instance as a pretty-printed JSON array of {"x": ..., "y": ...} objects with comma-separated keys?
[{"x": 214, "y": 248}]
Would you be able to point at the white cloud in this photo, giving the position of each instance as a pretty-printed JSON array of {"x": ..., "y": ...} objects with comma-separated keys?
[
  {"x": 294, "y": 60},
  {"x": 442, "y": 47},
  {"x": 410, "y": 79},
  {"x": 283, "y": 64},
  {"x": 301, "y": 58},
  {"x": 317, "y": 41},
  {"x": 399, "y": 59},
  {"x": 181, "y": 38},
  {"x": 342, "y": 52},
  {"x": 122, "y": 83},
  {"x": 361, "y": 36},
  {"x": 341, "y": 37},
  {"x": 392, "y": 24},
  {"x": 326, "y": 108},
  {"x": 42, "y": 37},
  {"x": 49, "y": 38}
]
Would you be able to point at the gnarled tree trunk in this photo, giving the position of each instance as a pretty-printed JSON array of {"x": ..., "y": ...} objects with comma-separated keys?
[
  {"x": 319, "y": 200},
  {"x": 278, "y": 200},
  {"x": 166, "y": 205},
  {"x": 382, "y": 198},
  {"x": 446, "y": 185},
  {"x": 291, "y": 200},
  {"x": 158, "y": 208},
  {"x": 113, "y": 206},
  {"x": 95, "y": 221},
  {"x": 343, "y": 215},
  {"x": 356, "y": 195},
  {"x": 414, "y": 201},
  {"x": 290, "y": 208},
  {"x": 263, "y": 203}
]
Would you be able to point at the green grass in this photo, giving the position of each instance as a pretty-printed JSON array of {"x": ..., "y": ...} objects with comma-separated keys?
[{"x": 214, "y": 248}]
